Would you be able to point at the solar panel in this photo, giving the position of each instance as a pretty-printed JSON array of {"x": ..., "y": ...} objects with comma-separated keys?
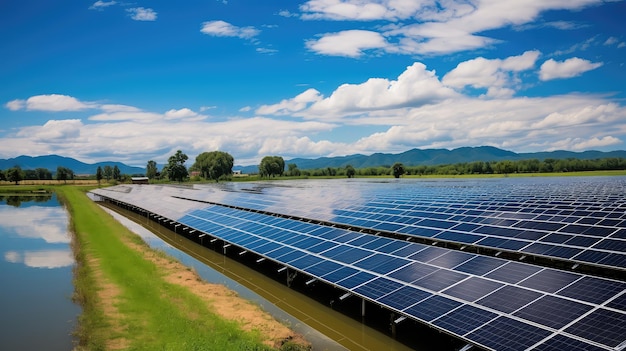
[{"x": 491, "y": 302}]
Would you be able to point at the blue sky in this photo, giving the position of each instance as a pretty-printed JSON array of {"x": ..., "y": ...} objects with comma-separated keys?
[{"x": 136, "y": 81}]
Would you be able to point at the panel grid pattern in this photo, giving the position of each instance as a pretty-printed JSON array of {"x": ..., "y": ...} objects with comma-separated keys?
[{"x": 430, "y": 284}]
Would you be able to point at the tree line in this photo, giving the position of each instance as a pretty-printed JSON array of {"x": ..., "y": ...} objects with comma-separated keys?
[
  {"x": 16, "y": 174},
  {"x": 218, "y": 165},
  {"x": 478, "y": 167}
]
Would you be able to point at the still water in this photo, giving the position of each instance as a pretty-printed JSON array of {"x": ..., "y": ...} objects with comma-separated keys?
[{"x": 35, "y": 275}]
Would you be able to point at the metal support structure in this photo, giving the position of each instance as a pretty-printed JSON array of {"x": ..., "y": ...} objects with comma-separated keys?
[{"x": 362, "y": 307}]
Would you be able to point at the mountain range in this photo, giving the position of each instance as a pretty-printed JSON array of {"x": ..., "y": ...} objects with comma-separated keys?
[
  {"x": 413, "y": 157},
  {"x": 51, "y": 162}
]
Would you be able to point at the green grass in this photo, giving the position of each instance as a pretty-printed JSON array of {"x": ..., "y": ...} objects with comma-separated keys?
[{"x": 156, "y": 315}]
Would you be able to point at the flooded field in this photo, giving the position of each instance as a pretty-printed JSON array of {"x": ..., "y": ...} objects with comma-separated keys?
[{"x": 36, "y": 275}]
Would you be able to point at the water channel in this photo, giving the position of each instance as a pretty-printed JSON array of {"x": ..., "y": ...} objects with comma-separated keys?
[
  {"x": 325, "y": 327},
  {"x": 36, "y": 275}
]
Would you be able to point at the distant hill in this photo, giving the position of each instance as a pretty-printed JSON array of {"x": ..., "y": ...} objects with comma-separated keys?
[
  {"x": 413, "y": 157},
  {"x": 51, "y": 162},
  {"x": 434, "y": 157}
]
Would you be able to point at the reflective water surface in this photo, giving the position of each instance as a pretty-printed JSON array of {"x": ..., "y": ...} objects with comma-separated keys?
[{"x": 36, "y": 274}]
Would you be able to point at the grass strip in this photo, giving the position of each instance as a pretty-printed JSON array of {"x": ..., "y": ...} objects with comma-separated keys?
[{"x": 111, "y": 279}]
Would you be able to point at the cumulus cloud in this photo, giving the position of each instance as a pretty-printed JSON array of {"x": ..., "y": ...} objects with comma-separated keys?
[
  {"x": 497, "y": 75},
  {"x": 350, "y": 43},
  {"x": 224, "y": 29},
  {"x": 142, "y": 14},
  {"x": 54, "y": 131},
  {"x": 569, "y": 68},
  {"x": 289, "y": 106},
  {"x": 51, "y": 102},
  {"x": 439, "y": 27},
  {"x": 416, "y": 109},
  {"x": 414, "y": 87}
]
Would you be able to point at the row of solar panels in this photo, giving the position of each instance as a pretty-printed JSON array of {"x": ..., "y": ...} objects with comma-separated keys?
[
  {"x": 573, "y": 228},
  {"x": 491, "y": 302},
  {"x": 468, "y": 295}
]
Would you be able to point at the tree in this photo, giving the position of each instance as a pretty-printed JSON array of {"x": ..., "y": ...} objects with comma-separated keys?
[
  {"x": 293, "y": 170},
  {"x": 214, "y": 164},
  {"x": 64, "y": 174},
  {"x": 117, "y": 175},
  {"x": 15, "y": 174},
  {"x": 151, "y": 169},
  {"x": 43, "y": 173},
  {"x": 271, "y": 166},
  {"x": 176, "y": 166},
  {"x": 350, "y": 171},
  {"x": 99, "y": 175},
  {"x": 108, "y": 172},
  {"x": 398, "y": 169},
  {"x": 3, "y": 175}
]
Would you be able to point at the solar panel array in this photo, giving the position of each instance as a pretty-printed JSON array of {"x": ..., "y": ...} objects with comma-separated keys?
[
  {"x": 491, "y": 302},
  {"x": 582, "y": 222}
]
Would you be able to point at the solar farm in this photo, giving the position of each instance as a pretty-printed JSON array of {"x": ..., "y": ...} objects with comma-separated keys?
[{"x": 500, "y": 264}]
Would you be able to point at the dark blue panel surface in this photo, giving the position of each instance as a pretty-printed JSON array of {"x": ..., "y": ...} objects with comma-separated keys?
[
  {"x": 480, "y": 265},
  {"x": 451, "y": 259},
  {"x": 440, "y": 280},
  {"x": 381, "y": 263},
  {"x": 356, "y": 280},
  {"x": 561, "y": 342},
  {"x": 405, "y": 297},
  {"x": 413, "y": 272},
  {"x": 340, "y": 274},
  {"x": 464, "y": 319},
  {"x": 550, "y": 280},
  {"x": 432, "y": 308},
  {"x": 603, "y": 326},
  {"x": 473, "y": 288},
  {"x": 552, "y": 311},
  {"x": 323, "y": 268},
  {"x": 508, "y": 334},
  {"x": 513, "y": 272},
  {"x": 509, "y": 298},
  {"x": 594, "y": 290},
  {"x": 377, "y": 288}
]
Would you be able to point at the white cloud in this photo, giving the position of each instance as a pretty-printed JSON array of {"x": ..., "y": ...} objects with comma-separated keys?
[
  {"x": 225, "y": 29},
  {"x": 142, "y": 14},
  {"x": 183, "y": 113},
  {"x": 361, "y": 10},
  {"x": 569, "y": 68},
  {"x": 439, "y": 27},
  {"x": 416, "y": 86},
  {"x": 15, "y": 105},
  {"x": 54, "y": 131},
  {"x": 289, "y": 106},
  {"x": 51, "y": 102},
  {"x": 350, "y": 43},
  {"x": 496, "y": 75},
  {"x": 100, "y": 5}
]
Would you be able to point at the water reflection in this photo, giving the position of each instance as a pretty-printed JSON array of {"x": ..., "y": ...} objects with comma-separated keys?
[
  {"x": 41, "y": 259},
  {"x": 36, "y": 275},
  {"x": 35, "y": 222}
]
